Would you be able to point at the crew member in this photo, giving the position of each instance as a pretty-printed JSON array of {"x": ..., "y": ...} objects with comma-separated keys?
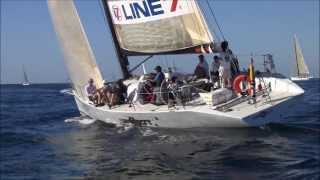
[
  {"x": 225, "y": 66},
  {"x": 215, "y": 70},
  {"x": 92, "y": 92},
  {"x": 202, "y": 68},
  {"x": 158, "y": 79}
]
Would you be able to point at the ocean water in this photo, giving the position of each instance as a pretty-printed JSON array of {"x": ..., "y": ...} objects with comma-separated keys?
[{"x": 43, "y": 137}]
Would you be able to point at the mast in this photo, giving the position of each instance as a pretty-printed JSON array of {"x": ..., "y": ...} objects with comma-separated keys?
[{"x": 123, "y": 59}]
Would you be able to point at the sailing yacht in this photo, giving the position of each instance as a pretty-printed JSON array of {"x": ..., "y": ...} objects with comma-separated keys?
[
  {"x": 25, "y": 77},
  {"x": 154, "y": 28},
  {"x": 301, "y": 66}
]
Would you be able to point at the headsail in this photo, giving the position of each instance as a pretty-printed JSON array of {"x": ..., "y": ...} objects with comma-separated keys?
[
  {"x": 159, "y": 27},
  {"x": 79, "y": 58},
  {"x": 302, "y": 68}
]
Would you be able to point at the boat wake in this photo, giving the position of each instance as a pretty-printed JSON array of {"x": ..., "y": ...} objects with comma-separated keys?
[
  {"x": 146, "y": 132},
  {"x": 66, "y": 91},
  {"x": 143, "y": 131},
  {"x": 82, "y": 120},
  {"x": 124, "y": 128}
]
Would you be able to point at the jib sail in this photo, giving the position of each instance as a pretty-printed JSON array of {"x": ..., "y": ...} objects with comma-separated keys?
[{"x": 79, "y": 58}]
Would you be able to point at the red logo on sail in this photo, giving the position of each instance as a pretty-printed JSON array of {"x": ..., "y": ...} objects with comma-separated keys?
[
  {"x": 117, "y": 13},
  {"x": 174, "y": 5}
]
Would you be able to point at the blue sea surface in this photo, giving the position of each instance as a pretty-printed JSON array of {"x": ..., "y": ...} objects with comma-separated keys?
[{"x": 43, "y": 137}]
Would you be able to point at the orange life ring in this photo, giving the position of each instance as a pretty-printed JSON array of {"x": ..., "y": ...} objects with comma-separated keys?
[{"x": 237, "y": 81}]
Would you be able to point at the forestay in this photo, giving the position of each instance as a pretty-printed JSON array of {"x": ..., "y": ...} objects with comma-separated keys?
[
  {"x": 79, "y": 58},
  {"x": 160, "y": 26},
  {"x": 301, "y": 66}
]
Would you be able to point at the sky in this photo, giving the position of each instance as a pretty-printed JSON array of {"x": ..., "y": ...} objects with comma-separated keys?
[{"x": 250, "y": 26}]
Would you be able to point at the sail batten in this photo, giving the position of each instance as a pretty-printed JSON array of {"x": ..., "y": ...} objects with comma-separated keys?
[
  {"x": 302, "y": 68},
  {"x": 159, "y": 27},
  {"x": 78, "y": 55}
]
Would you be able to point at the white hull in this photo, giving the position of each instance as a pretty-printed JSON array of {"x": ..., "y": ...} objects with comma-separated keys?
[
  {"x": 296, "y": 78},
  {"x": 241, "y": 115},
  {"x": 25, "y": 84}
]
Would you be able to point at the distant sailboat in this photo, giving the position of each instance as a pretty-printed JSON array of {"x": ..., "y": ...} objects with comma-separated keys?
[
  {"x": 25, "y": 77},
  {"x": 302, "y": 68}
]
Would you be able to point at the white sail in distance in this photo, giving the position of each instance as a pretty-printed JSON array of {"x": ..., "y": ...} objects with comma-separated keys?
[
  {"x": 302, "y": 68},
  {"x": 78, "y": 55},
  {"x": 25, "y": 77},
  {"x": 159, "y": 27}
]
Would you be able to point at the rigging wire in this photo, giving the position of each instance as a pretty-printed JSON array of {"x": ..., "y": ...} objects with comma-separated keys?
[
  {"x": 104, "y": 19},
  {"x": 215, "y": 19},
  {"x": 167, "y": 59},
  {"x": 102, "y": 10},
  {"x": 106, "y": 22},
  {"x": 139, "y": 64},
  {"x": 167, "y": 63},
  {"x": 211, "y": 25},
  {"x": 162, "y": 62},
  {"x": 249, "y": 55}
]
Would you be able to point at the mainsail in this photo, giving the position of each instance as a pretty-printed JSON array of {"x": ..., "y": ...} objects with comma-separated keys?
[
  {"x": 159, "y": 27},
  {"x": 25, "y": 77},
  {"x": 79, "y": 58},
  {"x": 302, "y": 68}
]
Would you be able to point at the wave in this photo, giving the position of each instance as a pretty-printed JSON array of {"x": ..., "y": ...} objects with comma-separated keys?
[
  {"x": 143, "y": 131},
  {"x": 66, "y": 91},
  {"x": 312, "y": 99},
  {"x": 82, "y": 120},
  {"x": 147, "y": 132}
]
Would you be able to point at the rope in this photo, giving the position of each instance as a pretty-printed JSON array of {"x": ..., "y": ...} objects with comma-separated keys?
[{"x": 215, "y": 19}]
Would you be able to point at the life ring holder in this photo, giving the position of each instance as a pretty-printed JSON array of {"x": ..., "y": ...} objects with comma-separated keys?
[{"x": 236, "y": 84}]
